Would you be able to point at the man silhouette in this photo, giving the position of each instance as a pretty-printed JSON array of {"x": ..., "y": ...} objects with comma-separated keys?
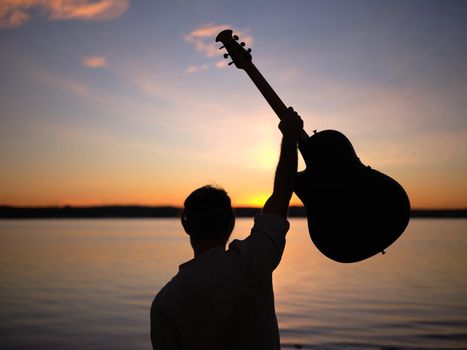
[{"x": 223, "y": 299}]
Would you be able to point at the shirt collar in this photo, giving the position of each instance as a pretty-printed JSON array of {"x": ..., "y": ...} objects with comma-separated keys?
[{"x": 201, "y": 257}]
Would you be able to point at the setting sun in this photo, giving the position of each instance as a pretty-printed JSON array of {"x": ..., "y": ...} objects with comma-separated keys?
[{"x": 257, "y": 201}]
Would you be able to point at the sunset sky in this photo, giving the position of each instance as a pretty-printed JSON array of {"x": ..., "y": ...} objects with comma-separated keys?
[{"x": 131, "y": 102}]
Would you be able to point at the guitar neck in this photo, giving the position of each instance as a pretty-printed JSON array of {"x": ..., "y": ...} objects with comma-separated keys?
[{"x": 269, "y": 94}]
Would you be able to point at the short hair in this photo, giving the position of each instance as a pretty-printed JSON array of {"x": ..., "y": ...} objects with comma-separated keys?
[{"x": 208, "y": 214}]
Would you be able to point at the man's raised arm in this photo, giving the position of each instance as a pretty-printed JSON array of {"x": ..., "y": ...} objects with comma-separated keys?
[{"x": 286, "y": 171}]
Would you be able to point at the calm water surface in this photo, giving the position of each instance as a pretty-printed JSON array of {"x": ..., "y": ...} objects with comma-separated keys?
[{"x": 88, "y": 284}]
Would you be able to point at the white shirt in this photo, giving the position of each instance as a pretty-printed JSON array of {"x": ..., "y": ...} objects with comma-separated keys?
[{"x": 224, "y": 299}]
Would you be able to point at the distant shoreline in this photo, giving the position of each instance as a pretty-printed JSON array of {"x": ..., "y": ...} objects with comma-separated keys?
[{"x": 135, "y": 211}]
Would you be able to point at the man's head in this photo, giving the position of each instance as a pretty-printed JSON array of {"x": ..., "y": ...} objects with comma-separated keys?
[{"x": 208, "y": 217}]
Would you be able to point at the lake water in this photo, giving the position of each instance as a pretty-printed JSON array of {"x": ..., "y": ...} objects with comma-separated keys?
[{"x": 88, "y": 284}]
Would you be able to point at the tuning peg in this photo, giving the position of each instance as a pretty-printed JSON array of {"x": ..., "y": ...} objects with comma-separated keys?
[
  {"x": 220, "y": 48},
  {"x": 235, "y": 37},
  {"x": 249, "y": 50},
  {"x": 230, "y": 63},
  {"x": 226, "y": 55},
  {"x": 242, "y": 44}
]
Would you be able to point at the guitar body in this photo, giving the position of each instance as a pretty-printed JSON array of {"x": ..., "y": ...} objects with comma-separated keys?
[{"x": 353, "y": 211}]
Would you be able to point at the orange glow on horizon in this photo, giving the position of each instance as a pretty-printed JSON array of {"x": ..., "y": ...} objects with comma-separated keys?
[{"x": 256, "y": 201}]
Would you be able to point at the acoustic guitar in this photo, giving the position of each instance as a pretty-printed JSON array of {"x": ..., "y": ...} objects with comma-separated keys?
[{"x": 353, "y": 211}]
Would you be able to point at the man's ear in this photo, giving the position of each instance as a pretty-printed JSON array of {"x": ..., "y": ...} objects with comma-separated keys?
[{"x": 184, "y": 221}]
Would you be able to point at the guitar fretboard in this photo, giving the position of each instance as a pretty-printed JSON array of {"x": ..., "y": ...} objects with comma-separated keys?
[{"x": 269, "y": 94}]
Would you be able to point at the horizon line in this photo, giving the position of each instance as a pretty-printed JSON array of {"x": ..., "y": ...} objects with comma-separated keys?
[
  {"x": 136, "y": 211},
  {"x": 79, "y": 206}
]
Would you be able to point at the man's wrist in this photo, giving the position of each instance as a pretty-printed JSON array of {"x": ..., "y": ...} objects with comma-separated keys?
[{"x": 289, "y": 139}]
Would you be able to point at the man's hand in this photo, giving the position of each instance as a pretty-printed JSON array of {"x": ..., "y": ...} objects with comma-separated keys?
[{"x": 291, "y": 124}]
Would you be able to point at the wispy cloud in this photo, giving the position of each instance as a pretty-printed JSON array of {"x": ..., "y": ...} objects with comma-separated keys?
[
  {"x": 14, "y": 13},
  {"x": 196, "y": 69},
  {"x": 95, "y": 62},
  {"x": 202, "y": 38},
  {"x": 62, "y": 83},
  {"x": 221, "y": 64}
]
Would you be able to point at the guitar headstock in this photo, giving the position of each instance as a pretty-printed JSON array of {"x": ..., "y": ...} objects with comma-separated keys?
[{"x": 240, "y": 56}]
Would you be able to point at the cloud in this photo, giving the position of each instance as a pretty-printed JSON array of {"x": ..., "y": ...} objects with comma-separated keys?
[
  {"x": 62, "y": 83},
  {"x": 146, "y": 83},
  {"x": 95, "y": 62},
  {"x": 221, "y": 64},
  {"x": 203, "y": 37},
  {"x": 86, "y": 9},
  {"x": 196, "y": 69},
  {"x": 14, "y": 13},
  {"x": 10, "y": 18}
]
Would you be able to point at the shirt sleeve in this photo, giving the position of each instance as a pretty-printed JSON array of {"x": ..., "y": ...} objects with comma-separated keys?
[
  {"x": 163, "y": 333},
  {"x": 267, "y": 238}
]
